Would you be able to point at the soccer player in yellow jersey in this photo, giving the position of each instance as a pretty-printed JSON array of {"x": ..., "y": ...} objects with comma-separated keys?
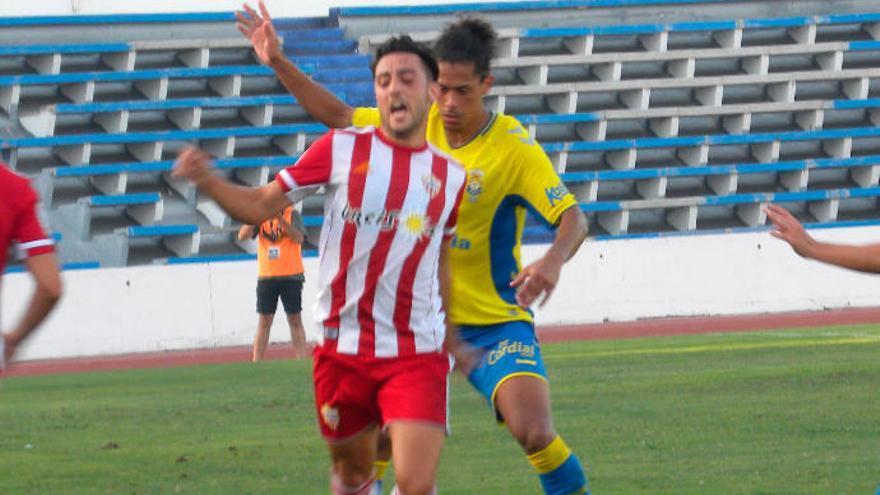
[{"x": 508, "y": 173}]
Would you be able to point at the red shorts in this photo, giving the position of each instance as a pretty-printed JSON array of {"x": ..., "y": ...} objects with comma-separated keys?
[{"x": 352, "y": 393}]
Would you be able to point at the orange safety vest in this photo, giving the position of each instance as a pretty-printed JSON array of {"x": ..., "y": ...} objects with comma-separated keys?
[{"x": 277, "y": 254}]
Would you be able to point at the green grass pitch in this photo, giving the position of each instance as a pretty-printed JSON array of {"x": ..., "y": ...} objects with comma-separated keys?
[{"x": 781, "y": 412}]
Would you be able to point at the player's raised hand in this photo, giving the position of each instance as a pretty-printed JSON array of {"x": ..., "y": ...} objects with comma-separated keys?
[
  {"x": 193, "y": 164},
  {"x": 258, "y": 28},
  {"x": 789, "y": 229},
  {"x": 537, "y": 278}
]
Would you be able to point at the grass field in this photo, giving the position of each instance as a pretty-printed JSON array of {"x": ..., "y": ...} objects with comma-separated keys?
[{"x": 782, "y": 412}]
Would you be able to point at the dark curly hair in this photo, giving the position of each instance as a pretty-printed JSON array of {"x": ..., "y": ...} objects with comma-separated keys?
[
  {"x": 405, "y": 44},
  {"x": 468, "y": 40}
]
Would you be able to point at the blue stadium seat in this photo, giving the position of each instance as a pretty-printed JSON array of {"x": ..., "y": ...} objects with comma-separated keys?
[
  {"x": 103, "y": 214},
  {"x": 658, "y": 128},
  {"x": 183, "y": 240}
]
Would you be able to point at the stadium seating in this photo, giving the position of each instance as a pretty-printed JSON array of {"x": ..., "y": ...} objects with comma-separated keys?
[
  {"x": 657, "y": 128},
  {"x": 660, "y": 37}
]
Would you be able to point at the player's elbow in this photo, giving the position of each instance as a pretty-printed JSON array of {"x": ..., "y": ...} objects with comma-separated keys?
[
  {"x": 46, "y": 276},
  {"x": 266, "y": 202},
  {"x": 50, "y": 289},
  {"x": 339, "y": 117},
  {"x": 578, "y": 222}
]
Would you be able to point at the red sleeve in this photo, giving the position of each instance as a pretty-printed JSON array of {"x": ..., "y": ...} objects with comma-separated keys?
[
  {"x": 452, "y": 221},
  {"x": 26, "y": 229},
  {"x": 312, "y": 169}
]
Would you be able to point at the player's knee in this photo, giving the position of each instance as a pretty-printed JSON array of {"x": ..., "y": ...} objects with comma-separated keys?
[
  {"x": 414, "y": 485},
  {"x": 351, "y": 484},
  {"x": 353, "y": 473},
  {"x": 535, "y": 437}
]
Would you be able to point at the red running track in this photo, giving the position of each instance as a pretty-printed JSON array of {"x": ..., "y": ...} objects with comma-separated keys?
[{"x": 640, "y": 328}]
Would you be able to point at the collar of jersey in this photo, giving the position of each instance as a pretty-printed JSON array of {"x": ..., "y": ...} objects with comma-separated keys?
[
  {"x": 389, "y": 142},
  {"x": 493, "y": 116}
]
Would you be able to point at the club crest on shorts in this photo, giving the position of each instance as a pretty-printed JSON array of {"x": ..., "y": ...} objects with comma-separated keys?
[{"x": 330, "y": 416}]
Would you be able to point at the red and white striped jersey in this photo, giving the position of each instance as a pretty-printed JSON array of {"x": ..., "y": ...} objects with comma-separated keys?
[
  {"x": 18, "y": 218},
  {"x": 386, "y": 212}
]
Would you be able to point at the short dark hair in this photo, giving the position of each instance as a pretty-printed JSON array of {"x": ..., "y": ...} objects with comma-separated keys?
[
  {"x": 405, "y": 44},
  {"x": 468, "y": 40}
]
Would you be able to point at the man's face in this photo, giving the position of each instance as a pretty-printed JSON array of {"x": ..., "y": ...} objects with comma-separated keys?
[
  {"x": 402, "y": 94},
  {"x": 459, "y": 95}
]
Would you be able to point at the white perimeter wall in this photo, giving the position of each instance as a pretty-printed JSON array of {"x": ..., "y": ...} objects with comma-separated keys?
[
  {"x": 278, "y": 8},
  {"x": 156, "y": 308}
]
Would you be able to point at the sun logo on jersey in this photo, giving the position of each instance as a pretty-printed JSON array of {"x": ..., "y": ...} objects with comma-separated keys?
[
  {"x": 432, "y": 185},
  {"x": 330, "y": 415},
  {"x": 474, "y": 185},
  {"x": 416, "y": 224}
]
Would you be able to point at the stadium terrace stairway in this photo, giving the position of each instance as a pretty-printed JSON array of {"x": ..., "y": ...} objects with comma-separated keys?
[
  {"x": 664, "y": 128},
  {"x": 99, "y": 123}
]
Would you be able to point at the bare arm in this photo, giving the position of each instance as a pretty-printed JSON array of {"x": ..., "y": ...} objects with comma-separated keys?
[
  {"x": 786, "y": 227},
  {"x": 44, "y": 270},
  {"x": 320, "y": 103},
  {"x": 445, "y": 275},
  {"x": 861, "y": 258},
  {"x": 445, "y": 286},
  {"x": 246, "y": 232},
  {"x": 466, "y": 357},
  {"x": 570, "y": 235},
  {"x": 543, "y": 275},
  {"x": 251, "y": 205}
]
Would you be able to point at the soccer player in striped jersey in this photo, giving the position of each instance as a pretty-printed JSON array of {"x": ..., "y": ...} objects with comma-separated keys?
[
  {"x": 390, "y": 213},
  {"x": 508, "y": 173},
  {"x": 19, "y": 226}
]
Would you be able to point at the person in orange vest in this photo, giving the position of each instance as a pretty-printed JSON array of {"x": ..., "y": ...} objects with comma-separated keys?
[{"x": 279, "y": 257}]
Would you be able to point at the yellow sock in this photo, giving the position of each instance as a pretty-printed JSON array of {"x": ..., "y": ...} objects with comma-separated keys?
[
  {"x": 381, "y": 467},
  {"x": 551, "y": 457}
]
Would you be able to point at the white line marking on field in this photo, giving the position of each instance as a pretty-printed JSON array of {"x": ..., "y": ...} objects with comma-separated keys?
[{"x": 722, "y": 347}]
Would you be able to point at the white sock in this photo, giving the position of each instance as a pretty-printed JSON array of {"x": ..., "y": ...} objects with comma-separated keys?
[{"x": 396, "y": 491}]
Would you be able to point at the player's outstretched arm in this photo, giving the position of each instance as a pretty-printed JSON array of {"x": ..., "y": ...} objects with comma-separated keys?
[
  {"x": 789, "y": 229},
  {"x": 320, "y": 103},
  {"x": 251, "y": 205},
  {"x": 542, "y": 276},
  {"x": 47, "y": 292}
]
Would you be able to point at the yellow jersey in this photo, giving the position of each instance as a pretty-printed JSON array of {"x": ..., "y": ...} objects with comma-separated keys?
[{"x": 507, "y": 173}]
